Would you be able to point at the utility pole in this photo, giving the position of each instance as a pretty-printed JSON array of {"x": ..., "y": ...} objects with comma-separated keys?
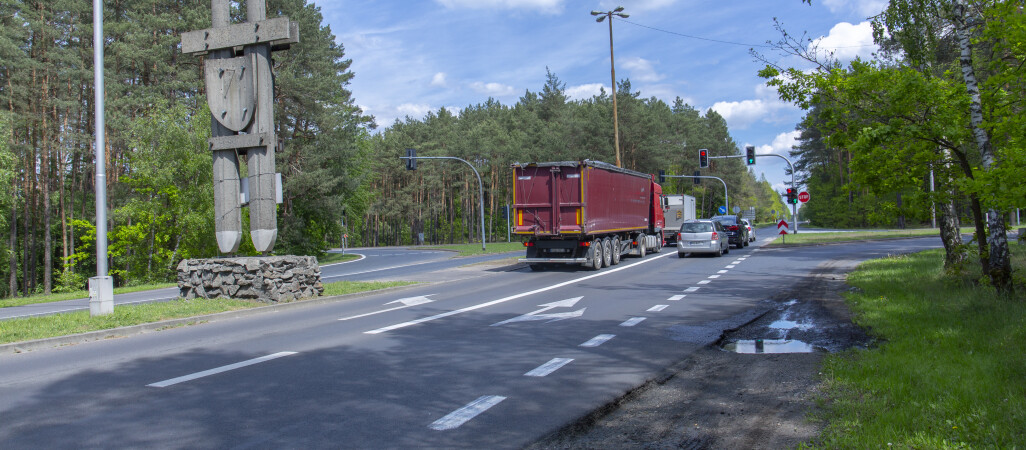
[{"x": 612, "y": 72}]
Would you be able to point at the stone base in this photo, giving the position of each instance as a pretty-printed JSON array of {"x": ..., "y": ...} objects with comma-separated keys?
[{"x": 268, "y": 279}]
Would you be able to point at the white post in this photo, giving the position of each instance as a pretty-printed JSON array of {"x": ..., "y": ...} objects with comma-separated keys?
[{"x": 101, "y": 287}]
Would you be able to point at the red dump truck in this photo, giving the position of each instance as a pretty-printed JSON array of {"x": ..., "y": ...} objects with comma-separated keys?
[{"x": 585, "y": 212}]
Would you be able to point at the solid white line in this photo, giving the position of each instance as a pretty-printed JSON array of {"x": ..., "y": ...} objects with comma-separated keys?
[
  {"x": 361, "y": 257},
  {"x": 462, "y": 415},
  {"x": 598, "y": 340},
  {"x": 375, "y": 312},
  {"x": 384, "y": 268},
  {"x": 677, "y": 297},
  {"x": 723, "y": 271},
  {"x": 657, "y": 308},
  {"x": 714, "y": 276},
  {"x": 692, "y": 289},
  {"x": 704, "y": 282},
  {"x": 549, "y": 367},
  {"x": 506, "y": 299},
  {"x": 217, "y": 370},
  {"x": 632, "y": 321}
]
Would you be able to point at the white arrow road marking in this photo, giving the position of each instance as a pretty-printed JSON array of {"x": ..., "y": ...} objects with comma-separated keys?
[
  {"x": 407, "y": 302},
  {"x": 632, "y": 321},
  {"x": 553, "y": 365},
  {"x": 218, "y": 370},
  {"x": 598, "y": 340},
  {"x": 470, "y": 411},
  {"x": 537, "y": 315},
  {"x": 515, "y": 296}
]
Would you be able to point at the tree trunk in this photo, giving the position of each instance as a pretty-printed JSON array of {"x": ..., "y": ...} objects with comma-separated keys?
[
  {"x": 13, "y": 258},
  {"x": 1000, "y": 266}
]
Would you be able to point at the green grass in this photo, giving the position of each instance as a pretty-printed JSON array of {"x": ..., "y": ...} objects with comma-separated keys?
[
  {"x": 332, "y": 258},
  {"x": 950, "y": 367},
  {"x": 33, "y": 299},
  {"x": 475, "y": 249},
  {"x": 842, "y": 236},
  {"x": 17, "y": 330}
]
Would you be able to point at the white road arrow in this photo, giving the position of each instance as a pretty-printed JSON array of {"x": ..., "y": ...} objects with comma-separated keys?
[
  {"x": 537, "y": 315},
  {"x": 406, "y": 303}
]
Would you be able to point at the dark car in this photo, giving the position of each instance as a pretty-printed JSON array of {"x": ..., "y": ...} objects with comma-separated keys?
[{"x": 737, "y": 232}]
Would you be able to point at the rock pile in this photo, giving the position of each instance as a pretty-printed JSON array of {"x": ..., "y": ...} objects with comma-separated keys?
[{"x": 269, "y": 279}]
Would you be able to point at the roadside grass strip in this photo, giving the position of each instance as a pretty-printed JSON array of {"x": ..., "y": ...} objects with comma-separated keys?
[
  {"x": 475, "y": 249},
  {"x": 949, "y": 369},
  {"x": 63, "y": 324},
  {"x": 842, "y": 236},
  {"x": 61, "y": 296}
]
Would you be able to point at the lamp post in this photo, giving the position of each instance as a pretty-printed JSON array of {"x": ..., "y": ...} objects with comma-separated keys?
[{"x": 612, "y": 71}]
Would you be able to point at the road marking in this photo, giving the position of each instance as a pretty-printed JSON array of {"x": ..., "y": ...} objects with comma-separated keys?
[
  {"x": 218, "y": 370},
  {"x": 361, "y": 257},
  {"x": 385, "y": 268},
  {"x": 512, "y": 297},
  {"x": 553, "y": 365},
  {"x": 713, "y": 277},
  {"x": 470, "y": 411},
  {"x": 704, "y": 282},
  {"x": 677, "y": 297},
  {"x": 632, "y": 321},
  {"x": 598, "y": 340},
  {"x": 537, "y": 315},
  {"x": 737, "y": 261},
  {"x": 692, "y": 289},
  {"x": 731, "y": 266},
  {"x": 407, "y": 302},
  {"x": 657, "y": 308},
  {"x": 723, "y": 271}
]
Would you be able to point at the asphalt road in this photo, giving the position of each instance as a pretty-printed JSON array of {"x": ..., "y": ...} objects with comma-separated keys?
[{"x": 495, "y": 358}]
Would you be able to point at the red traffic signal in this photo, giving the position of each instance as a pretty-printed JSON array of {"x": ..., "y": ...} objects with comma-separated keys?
[
  {"x": 703, "y": 158},
  {"x": 792, "y": 197}
]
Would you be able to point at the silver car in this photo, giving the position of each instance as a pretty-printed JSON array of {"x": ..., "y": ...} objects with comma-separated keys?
[
  {"x": 751, "y": 231},
  {"x": 702, "y": 236}
]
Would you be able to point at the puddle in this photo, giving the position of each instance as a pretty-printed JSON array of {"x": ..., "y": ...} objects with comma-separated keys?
[
  {"x": 768, "y": 346},
  {"x": 790, "y": 325}
]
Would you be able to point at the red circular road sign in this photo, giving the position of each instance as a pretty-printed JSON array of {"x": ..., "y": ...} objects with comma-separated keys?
[{"x": 803, "y": 196}]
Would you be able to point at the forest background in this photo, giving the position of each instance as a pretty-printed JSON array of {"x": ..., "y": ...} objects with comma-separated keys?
[{"x": 341, "y": 174}]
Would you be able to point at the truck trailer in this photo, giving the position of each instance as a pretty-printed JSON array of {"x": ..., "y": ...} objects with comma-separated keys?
[
  {"x": 676, "y": 208},
  {"x": 585, "y": 212}
]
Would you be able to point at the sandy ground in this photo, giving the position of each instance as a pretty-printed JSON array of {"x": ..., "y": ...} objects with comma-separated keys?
[{"x": 724, "y": 399}]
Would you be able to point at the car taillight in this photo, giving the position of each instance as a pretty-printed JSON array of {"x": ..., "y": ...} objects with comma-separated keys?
[
  {"x": 732, "y": 228},
  {"x": 715, "y": 236}
]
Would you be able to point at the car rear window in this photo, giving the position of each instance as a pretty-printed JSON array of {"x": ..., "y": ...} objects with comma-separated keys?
[{"x": 696, "y": 228}]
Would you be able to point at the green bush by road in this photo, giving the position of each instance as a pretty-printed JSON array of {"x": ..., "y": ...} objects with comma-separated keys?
[{"x": 950, "y": 367}]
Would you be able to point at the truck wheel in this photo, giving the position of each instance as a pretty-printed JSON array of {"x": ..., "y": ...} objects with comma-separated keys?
[
  {"x": 616, "y": 250},
  {"x": 642, "y": 246},
  {"x": 596, "y": 254},
  {"x": 659, "y": 243},
  {"x": 607, "y": 252}
]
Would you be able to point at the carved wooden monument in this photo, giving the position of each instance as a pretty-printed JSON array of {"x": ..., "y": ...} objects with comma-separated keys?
[{"x": 240, "y": 93}]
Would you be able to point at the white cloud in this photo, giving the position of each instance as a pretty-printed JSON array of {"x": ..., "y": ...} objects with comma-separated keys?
[
  {"x": 438, "y": 79},
  {"x": 546, "y": 6},
  {"x": 492, "y": 89},
  {"x": 766, "y": 108},
  {"x": 848, "y": 41},
  {"x": 585, "y": 91},
  {"x": 635, "y": 5},
  {"x": 414, "y": 110},
  {"x": 641, "y": 69},
  {"x": 865, "y": 8},
  {"x": 781, "y": 144}
]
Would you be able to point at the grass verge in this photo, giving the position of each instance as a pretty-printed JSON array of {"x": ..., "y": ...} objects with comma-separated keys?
[
  {"x": 475, "y": 249},
  {"x": 950, "y": 371},
  {"x": 842, "y": 236},
  {"x": 332, "y": 258},
  {"x": 34, "y": 299},
  {"x": 17, "y": 330}
]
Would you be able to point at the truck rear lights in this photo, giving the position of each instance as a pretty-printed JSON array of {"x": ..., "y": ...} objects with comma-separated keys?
[
  {"x": 528, "y": 244},
  {"x": 585, "y": 243}
]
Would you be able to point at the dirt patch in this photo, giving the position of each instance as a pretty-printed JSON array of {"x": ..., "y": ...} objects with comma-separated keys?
[{"x": 719, "y": 399}]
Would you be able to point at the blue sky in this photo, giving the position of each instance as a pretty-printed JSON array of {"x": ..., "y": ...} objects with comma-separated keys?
[{"x": 412, "y": 57}]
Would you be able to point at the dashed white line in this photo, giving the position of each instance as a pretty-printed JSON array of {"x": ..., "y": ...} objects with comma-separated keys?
[
  {"x": 598, "y": 340},
  {"x": 692, "y": 289},
  {"x": 677, "y": 297},
  {"x": 737, "y": 261},
  {"x": 218, "y": 370},
  {"x": 470, "y": 411},
  {"x": 714, "y": 276},
  {"x": 704, "y": 282},
  {"x": 632, "y": 321},
  {"x": 657, "y": 308},
  {"x": 723, "y": 271},
  {"x": 731, "y": 266},
  {"x": 549, "y": 367}
]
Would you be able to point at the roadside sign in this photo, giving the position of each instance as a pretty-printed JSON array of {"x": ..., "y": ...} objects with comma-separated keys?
[
  {"x": 736, "y": 209},
  {"x": 803, "y": 196},
  {"x": 723, "y": 209},
  {"x": 782, "y": 227}
]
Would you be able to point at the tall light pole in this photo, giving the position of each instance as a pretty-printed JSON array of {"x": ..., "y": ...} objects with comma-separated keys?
[{"x": 612, "y": 71}]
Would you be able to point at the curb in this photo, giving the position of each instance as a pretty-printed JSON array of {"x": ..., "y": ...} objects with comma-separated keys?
[{"x": 73, "y": 339}]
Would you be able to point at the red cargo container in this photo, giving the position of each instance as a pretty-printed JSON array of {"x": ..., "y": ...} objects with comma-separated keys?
[{"x": 585, "y": 212}]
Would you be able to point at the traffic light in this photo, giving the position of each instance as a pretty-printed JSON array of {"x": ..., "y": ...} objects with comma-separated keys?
[
  {"x": 698, "y": 173},
  {"x": 792, "y": 197},
  {"x": 750, "y": 157},
  {"x": 662, "y": 176},
  {"x": 411, "y": 159},
  {"x": 703, "y": 158}
]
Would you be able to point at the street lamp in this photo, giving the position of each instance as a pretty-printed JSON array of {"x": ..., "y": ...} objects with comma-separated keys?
[{"x": 612, "y": 71}]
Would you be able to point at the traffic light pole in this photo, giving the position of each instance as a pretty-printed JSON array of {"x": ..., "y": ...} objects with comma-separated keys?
[
  {"x": 726, "y": 199},
  {"x": 480, "y": 187},
  {"x": 794, "y": 207}
]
